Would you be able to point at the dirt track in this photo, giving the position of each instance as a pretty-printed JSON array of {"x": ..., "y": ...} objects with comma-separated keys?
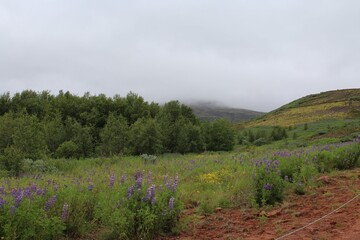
[{"x": 294, "y": 213}]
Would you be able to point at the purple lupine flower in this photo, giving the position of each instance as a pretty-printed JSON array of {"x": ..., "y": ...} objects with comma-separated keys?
[
  {"x": 137, "y": 175},
  {"x": 176, "y": 181},
  {"x": 268, "y": 187},
  {"x": 123, "y": 179},
  {"x": 18, "y": 198},
  {"x": 91, "y": 187},
  {"x": 150, "y": 194},
  {"x": 2, "y": 189},
  {"x": 149, "y": 177},
  {"x": 50, "y": 202},
  {"x": 2, "y": 202},
  {"x": 286, "y": 178},
  {"x": 168, "y": 184},
  {"x": 171, "y": 203},
  {"x": 130, "y": 191},
  {"x": 139, "y": 182},
  {"x": 33, "y": 187},
  {"x": 112, "y": 180},
  {"x": 28, "y": 193},
  {"x": 41, "y": 192},
  {"x": 64, "y": 212}
]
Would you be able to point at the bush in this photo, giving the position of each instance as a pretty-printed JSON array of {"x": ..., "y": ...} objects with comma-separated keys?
[
  {"x": 269, "y": 186},
  {"x": 12, "y": 160},
  {"x": 68, "y": 149}
]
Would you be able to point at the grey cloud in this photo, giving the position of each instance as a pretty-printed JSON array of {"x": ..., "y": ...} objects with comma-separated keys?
[{"x": 250, "y": 54}]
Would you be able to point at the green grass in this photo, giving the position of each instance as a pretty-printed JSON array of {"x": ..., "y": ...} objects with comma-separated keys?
[{"x": 246, "y": 177}]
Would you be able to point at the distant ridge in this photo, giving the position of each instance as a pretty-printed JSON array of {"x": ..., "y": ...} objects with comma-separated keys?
[
  {"x": 211, "y": 111},
  {"x": 337, "y": 104}
]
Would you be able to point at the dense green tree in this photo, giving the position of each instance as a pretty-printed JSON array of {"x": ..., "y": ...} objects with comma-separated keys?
[
  {"x": 114, "y": 136},
  {"x": 145, "y": 137},
  {"x": 12, "y": 160},
  {"x": 136, "y": 108},
  {"x": 81, "y": 136},
  {"x": 54, "y": 132},
  {"x": 5, "y": 103},
  {"x": 7, "y": 128},
  {"x": 195, "y": 138},
  {"x": 222, "y": 136},
  {"x": 66, "y": 125},
  {"x": 29, "y": 137}
]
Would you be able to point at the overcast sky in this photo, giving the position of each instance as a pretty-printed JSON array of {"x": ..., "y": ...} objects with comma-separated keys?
[{"x": 253, "y": 54}]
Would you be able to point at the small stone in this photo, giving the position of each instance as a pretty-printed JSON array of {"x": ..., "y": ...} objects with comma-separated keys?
[
  {"x": 324, "y": 179},
  {"x": 274, "y": 213},
  {"x": 298, "y": 214},
  {"x": 218, "y": 209},
  {"x": 262, "y": 213}
]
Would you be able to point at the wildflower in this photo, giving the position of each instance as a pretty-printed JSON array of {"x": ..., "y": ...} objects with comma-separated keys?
[
  {"x": 18, "y": 198},
  {"x": 171, "y": 203},
  {"x": 139, "y": 182},
  {"x": 176, "y": 181},
  {"x": 2, "y": 189},
  {"x": 2, "y": 202},
  {"x": 268, "y": 187},
  {"x": 33, "y": 187},
  {"x": 168, "y": 184},
  {"x": 150, "y": 193},
  {"x": 149, "y": 177},
  {"x": 64, "y": 212},
  {"x": 91, "y": 187},
  {"x": 50, "y": 203},
  {"x": 130, "y": 191},
  {"x": 123, "y": 179},
  {"x": 286, "y": 178},
  {"x": 138, "y": 175},
  {"x": 112, "y": 180}
]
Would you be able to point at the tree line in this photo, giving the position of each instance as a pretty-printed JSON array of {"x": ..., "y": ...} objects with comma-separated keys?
[{"x": 37, "y": 125}]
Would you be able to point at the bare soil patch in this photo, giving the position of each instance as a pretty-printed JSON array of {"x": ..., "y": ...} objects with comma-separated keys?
[{"x": 295, "y": 212}]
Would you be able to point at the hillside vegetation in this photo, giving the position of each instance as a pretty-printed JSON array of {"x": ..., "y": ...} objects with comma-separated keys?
[
  {"x": 338, "y": 104},
  {"x": 211, "y": 111}
]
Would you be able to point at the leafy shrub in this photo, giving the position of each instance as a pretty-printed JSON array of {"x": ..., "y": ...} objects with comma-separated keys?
[
  {"x": 12, "y": 160},
  {"x": 68, "y": 149},
  {"x": 37, "y": 166}
]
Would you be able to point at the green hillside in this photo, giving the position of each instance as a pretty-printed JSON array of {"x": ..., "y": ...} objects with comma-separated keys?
[{"x": 338, "y": 104}]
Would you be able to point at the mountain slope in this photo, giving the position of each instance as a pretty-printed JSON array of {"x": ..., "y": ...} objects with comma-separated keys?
[
  {"x": 211, "y": 111},
  {"x": 338, "y": 104}
]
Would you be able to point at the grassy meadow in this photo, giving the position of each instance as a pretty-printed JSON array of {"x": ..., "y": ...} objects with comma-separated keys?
[{"x": 141, "y": 197}]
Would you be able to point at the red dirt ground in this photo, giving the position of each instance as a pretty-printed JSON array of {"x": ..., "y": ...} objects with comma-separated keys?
[{"x": 295, "y": 212}]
